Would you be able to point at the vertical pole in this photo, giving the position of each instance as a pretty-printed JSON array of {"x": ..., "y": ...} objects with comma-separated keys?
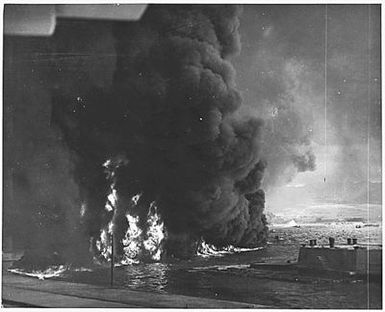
[
  {"x": 112, "y": 260},
  {"x": 325, "y": 92}
]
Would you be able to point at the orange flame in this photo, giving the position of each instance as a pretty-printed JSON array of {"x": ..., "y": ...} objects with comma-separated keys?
[
  {"x": 147, "y": 244},
  {"x": 206, "y": 250},
  {"x": 138, "y": 244}
]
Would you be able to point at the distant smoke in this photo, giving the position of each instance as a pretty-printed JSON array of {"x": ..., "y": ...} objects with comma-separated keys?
[
  {"x": 277, "y": 90},
  {"x": 292, "y": 58},
  {"x": 355, "y": 103},
  {"x": 282, "y": 66},
  {"x": 304, "y": 162}
]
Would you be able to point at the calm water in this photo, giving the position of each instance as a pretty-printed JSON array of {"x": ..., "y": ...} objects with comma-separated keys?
[{"x": 229, "y": 277}]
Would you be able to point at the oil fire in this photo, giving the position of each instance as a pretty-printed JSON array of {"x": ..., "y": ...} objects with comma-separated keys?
[
  {"x": 138, "y": 244},
  {"x": 52, "y": 271},
  {"x": 206, "y": 250}
]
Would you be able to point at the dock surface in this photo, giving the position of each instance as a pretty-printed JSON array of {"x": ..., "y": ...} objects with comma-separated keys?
[{"x": 25, "y": 291}]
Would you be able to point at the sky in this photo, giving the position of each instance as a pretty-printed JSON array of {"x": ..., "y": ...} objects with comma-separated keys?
[{"x": 329, "y": 94}]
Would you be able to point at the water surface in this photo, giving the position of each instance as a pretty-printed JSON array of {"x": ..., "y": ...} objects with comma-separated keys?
[{"x": 229, "y": 276}]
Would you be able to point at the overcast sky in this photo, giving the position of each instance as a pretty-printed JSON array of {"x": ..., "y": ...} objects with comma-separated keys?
[{"x": 282, "y": 69}]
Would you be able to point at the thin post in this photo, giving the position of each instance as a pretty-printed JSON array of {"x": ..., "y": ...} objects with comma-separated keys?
[{"x": 112, "y": 260}]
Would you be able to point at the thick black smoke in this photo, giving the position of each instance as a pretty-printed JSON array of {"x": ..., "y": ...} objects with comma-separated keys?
[
  {"x": 42, "y": 200},
  {"x": 167, "y": 124}
]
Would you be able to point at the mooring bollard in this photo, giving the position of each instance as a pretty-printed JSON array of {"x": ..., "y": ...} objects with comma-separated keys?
[
  {"x": 276, "y": 238},
  {"x": 349, "y": 241},
  {"x": 354, "y": 241},
  {"x": 331, "y": 242}
]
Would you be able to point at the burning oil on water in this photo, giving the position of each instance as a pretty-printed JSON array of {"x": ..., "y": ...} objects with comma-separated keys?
[{"x": 178, "y": 146}]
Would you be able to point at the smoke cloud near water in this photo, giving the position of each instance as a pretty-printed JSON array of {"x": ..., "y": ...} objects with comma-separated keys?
[
  {"x": 162, "y": 118},
  {"x": 169, "y": 116}
]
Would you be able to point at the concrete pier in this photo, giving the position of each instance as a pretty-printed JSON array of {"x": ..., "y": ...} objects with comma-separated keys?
[
  {"x": 20, "y": 291},
  {"x": 349, "y": 258}
]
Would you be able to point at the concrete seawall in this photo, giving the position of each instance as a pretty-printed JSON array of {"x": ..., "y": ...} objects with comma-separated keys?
[{"x": 23, "y": 291}]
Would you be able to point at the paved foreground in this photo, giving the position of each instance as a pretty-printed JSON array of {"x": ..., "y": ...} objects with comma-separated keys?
[{"x": 24, "y": 291}]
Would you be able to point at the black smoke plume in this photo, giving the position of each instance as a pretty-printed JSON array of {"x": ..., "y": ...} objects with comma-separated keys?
[{"x": 168, "y": 125}]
